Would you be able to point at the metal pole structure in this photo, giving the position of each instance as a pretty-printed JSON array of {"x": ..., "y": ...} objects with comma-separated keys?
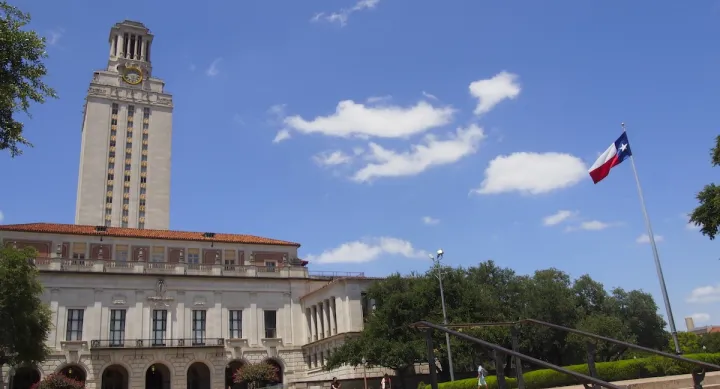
[
  {"x": 658, "y": 267},
  {"x": 444, "y": 311},
  {"x": 364, "y": 362}
]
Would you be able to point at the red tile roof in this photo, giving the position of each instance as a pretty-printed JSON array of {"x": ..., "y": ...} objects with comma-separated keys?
[{"x": 72, "y": 229}]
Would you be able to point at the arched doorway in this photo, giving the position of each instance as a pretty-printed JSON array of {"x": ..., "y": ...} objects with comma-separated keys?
[
  {"x": 198, "y": 376},
  {"x": 230, "y": 371},
  {"x": 157, "y": 376},
  {"x": 74, "y": 372},
  {"x": 115, "y": 377},
  {"x": 279, "y": 373},
  {"x": 24, "y": 377}
]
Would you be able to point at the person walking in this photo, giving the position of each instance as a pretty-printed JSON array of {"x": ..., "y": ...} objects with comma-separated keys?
[
  {"x": 335, "y": 384},
  {"x": 386, "y": 383},
  {"x": 481, "y": 377}
]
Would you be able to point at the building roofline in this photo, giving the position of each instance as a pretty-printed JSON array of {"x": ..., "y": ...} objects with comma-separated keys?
[{"x": 135, "y": 233}]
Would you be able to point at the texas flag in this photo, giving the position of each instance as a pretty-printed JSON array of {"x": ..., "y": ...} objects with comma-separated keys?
[{"x": 613, "y": 156}]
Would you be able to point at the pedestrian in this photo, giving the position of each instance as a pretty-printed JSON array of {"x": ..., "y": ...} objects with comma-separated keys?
[
  {"x": 335, "y": 384},
  {"x": 481, "y": 377},
  {"x": 386, "y": 383}
]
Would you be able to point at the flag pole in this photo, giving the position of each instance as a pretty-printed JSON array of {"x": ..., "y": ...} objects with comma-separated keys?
[{"x": 658, "y": 267}]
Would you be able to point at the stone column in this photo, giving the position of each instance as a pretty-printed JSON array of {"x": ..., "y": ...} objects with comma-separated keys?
[
  {"x": 120, "y": 45},
  {"x": 333, "y": 316},
  {"x": 314, "y": 324}
]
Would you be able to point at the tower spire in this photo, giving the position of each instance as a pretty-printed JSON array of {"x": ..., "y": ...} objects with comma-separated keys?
[{"x": 130, "y": 45}]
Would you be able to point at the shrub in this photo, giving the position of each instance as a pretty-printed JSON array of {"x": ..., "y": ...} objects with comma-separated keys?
[
  {"x": 255, "y": 374},
  {"x": 58, "y": 381},
  {"x": 627, "y": 369}
]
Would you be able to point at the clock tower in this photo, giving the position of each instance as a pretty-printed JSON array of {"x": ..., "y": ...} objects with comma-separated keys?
[{"x": 124, "y": 178}]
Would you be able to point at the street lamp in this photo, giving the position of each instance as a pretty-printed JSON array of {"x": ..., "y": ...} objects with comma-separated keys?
[
  {"x": 436, "y": 261},
  {"x": 364, "y": 362}
]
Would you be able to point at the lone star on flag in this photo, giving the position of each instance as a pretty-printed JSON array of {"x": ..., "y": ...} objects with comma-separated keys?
[{"x": 623, "y": 147}]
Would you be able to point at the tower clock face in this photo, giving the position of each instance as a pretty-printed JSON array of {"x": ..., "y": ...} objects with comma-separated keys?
[{"x": 132, "y": 75}]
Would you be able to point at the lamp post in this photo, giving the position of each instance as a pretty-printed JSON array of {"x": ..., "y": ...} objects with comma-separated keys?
[
  {"x": 436, "y": 261},
  {"x": 364, "y": 362}
]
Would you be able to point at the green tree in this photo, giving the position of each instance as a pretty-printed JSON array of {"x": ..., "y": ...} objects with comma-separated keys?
[
  {"x": 21, "y": 75},
  {"x": 255, "y": 374},
  {"x": 25, "y": 320},
  {"x": 689, "y": 343},
  {"x": 707, "y": 214},
  {"x": 387, "y": 340}
]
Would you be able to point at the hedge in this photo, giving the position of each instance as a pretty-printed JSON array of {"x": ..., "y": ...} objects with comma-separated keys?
[{"x": 627, "y": 369}]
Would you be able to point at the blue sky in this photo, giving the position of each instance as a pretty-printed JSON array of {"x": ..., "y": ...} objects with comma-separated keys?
[{"x": 372, "y": 131}]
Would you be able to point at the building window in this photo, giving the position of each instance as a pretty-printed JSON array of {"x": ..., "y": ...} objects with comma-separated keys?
[
  {"x": 364, "y": 302},
  {"x": 117, "y": 327},
  {"x": 193, "y": 256},
  {"x": 236, "y": 324},
  {"x": 159, "y": 327},
  {"x": 158, "y": 254},
  {"x": 143, "y": 180},
  {"x": 270, "y": 324},
  {"x": 270, "y": 266},
  {"x": 121, "y": 253},
  {"x": 198, "y": 327},
  {"x": 79, "y": 250},
  {"x": 74, "y": 324}
]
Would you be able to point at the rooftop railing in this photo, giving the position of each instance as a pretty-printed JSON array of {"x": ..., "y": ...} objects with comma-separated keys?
[{"x": 128, "y": 267}]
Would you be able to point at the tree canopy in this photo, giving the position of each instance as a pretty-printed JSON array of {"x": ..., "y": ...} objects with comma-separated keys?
[
  {"x": 489, "y": 293},
  {"x": 707, "y": 214},
  {"x": 21, "y": 75},
  {"x": 25, "y": 320}
]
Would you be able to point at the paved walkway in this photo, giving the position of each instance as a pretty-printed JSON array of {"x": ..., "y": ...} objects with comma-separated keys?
[{"x": 667, "y": 382}]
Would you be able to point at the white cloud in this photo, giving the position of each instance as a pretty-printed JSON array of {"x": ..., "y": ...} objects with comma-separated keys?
[
  {"x": 277, "y": 110},
  {"x": 645, "y": 238},
  {"x": 378, "y": 99},
  {"x": 420, "y": 157},
  {"x": 558, "y": 217},
  {"x": 492, "y": 91},
  {"x": 532, "y": 173},
  {"x": 281, "y": 136},
  {"x": 333, "y": 158},
  {"x": 705, "y": 294},
  {"x": 54, "y": 36},
  {"x": 237, "y": 119},
  {"x": 429, "y": 96},
  {"x": 213, "y": 70},
  {"x": 386, "y": 121},
  {"x": 2, "y": 217},
  {"x": 591, "y": 225},
  {"x": 367, "y": 250},
  {"x": 430, "y": 221},
  {"x": 700, "y": 317},
  {"x": 692, "y": 226},
  {"x": 341, "y": 17}
]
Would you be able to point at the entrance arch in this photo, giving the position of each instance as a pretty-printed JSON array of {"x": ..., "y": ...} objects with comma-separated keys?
[
  {"x": 278, "y": 381},
  {"x": 115, "y": 377},
  {"x": 24, "y": 377},
  {"x": 230, "y": 371},
  {"x": 157, "y": 376},
  {"x": 74, "y": 372},
  {"x": 198, "y": 376}
]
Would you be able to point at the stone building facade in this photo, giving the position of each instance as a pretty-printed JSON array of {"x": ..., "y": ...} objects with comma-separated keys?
[{"x": 167, "y": 309}]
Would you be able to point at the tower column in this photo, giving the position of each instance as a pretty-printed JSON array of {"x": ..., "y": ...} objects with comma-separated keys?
[
  {"x": 121, "y": 41},
  {"x": 144, "y": 50}
]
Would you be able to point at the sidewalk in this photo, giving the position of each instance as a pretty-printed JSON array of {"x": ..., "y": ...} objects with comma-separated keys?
[{"x": 668, "y": 382}]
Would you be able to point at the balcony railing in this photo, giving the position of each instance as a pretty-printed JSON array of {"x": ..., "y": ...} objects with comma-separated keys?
[
  {"x": 154, "y": 343},
  {"x": 109, "y": 266},
  {"x": 335, "y": 274}
]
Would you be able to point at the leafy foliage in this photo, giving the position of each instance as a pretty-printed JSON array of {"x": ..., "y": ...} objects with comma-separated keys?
[
  {"x": 255, "y": 374},
  {"x": 707, "y": 214},
  {"x": 21, "y": 72},
  {"x": 609, "y": 371},
  {"x": 25, "y": 320},
  {"x": 489, "y": 293},
  {"x": 58, "y": 381}
]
